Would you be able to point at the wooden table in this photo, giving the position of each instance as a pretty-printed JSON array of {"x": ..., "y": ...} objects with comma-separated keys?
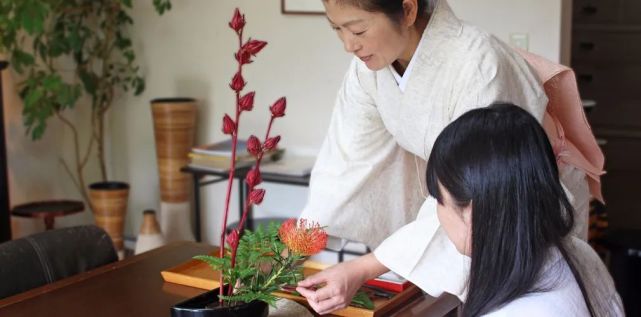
[{"x": 134, "y": 287}]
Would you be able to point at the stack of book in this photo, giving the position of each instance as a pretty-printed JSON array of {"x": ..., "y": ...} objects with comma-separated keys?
[{"x": 217, "y": 156}]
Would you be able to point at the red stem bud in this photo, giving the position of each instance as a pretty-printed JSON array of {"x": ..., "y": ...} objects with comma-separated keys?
[
  {"x": 246, "y": 103},
  {"x": 271, "y": 143},
  {"x": 237, "y": 21},
  {"x": 229, "y": 126},
  {"x": 253, "y": 146},
  {"x": 233, "y": 238},
  {"x": 254, "y": 46},
  {"x": 237, "y": 83},
  {"x": 253, "y": 178},
  {"x": 256, "y": 196},
  {"x": 278, "y": 108},
  {"x": 243, "y": 57}
]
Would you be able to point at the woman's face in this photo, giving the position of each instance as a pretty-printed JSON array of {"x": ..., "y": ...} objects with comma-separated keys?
[
  {"x": 371, "y": 36},
  {"x": 456, "y": 221}
]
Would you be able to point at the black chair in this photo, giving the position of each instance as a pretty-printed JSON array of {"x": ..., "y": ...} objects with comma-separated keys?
[{"x": 49, "y": 256}]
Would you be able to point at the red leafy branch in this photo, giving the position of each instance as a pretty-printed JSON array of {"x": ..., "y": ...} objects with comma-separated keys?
[{"x": 231, "y": 127}]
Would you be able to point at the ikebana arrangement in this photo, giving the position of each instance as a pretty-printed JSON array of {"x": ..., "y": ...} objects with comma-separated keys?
[{"x": 255, "y": 264}]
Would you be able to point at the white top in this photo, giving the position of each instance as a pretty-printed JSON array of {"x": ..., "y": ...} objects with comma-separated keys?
[{"x": 564, "y": 297}]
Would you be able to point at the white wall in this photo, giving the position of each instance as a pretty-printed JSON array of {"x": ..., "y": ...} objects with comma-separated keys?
[
  {"x": 188, "y": 52},
  {"x": 540, "y": 19}
]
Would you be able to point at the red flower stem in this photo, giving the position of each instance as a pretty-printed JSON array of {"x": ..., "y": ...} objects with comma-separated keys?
[
  {"x": 240, "y": 229},
  {"x": 230, "y": 181},
  {"x": 247, "y": 204},
  {"x": 241, "y": 223},
  {"x": 269, "y": 128}
]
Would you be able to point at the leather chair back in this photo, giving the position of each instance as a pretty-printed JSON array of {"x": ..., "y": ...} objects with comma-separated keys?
[{"x": 52, "y": 255}]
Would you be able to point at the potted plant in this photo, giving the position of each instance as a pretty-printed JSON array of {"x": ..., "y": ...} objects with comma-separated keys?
[
  {"x": 253, "y": 265},
  {"x": 69, "y": 53}
]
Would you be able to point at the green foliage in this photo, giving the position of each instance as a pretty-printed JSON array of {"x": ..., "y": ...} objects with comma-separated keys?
[
  {"x": 262, "y": 267},
  {"x": 162, "y": 6},
  {"x": 362, "y": 300},
  {"x": 64, "y": 50},
  {"x": 68, "y": 48}
]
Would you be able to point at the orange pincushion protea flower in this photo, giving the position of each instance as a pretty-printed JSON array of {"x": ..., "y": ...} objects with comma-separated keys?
[{"x": 303, "y": 238}]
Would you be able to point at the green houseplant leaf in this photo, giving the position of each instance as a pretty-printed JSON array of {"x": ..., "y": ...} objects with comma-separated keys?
[{"x": 88, "y": 42}]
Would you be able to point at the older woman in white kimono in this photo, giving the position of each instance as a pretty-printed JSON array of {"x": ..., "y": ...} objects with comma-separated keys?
[{"x": 415, "y": 71}]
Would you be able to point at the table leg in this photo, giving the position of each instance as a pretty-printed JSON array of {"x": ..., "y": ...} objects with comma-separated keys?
[
  {"x": 49, "y": 222},
  {"x": 197, "y": 207}
]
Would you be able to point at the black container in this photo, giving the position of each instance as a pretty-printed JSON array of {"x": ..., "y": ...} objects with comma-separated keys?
[{"x": 206, "y": 305}]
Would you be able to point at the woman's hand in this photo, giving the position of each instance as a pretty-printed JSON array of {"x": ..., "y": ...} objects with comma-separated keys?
[{"x": 339, "y": 283}]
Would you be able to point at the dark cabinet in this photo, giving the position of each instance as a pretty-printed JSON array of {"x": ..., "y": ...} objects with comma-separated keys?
[
  {"x": 622, "y": 183},
  {"x": 611, "y": 12},
  {"x": 606, "y": 56}
]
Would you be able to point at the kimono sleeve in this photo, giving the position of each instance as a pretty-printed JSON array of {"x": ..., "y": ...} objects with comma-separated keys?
[{"x": 362, "y": 186}]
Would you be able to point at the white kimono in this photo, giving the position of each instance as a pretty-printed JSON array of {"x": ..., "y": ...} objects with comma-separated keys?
[{"x": 369, "y": 177}]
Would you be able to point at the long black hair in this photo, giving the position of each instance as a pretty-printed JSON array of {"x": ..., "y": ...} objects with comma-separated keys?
[
  {"x": 393, "y": 9},
  {"x": 499, "y": 160}
]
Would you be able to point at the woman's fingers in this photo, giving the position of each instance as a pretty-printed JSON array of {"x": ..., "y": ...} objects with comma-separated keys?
[
  {"x": 319, "y": 301},
  {"x": 326, "y": 299},
  {"x": 331, "y": 290},
  {"x": 307, "y": 293},
  {"x": 330, "y": 305},
  {"x": 312, "y": 280},
  {"x": 340, "y": 282}
]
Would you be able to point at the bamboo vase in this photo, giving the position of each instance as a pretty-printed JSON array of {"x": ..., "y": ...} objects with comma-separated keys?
[
  {"x": 109, "y": 204},
  {"x": 174, "y": 130}
]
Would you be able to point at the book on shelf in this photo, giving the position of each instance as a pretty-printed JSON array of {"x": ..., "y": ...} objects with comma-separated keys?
[
  {"x": 222, "y": 148},
  {"x": 391, "y": 282},
  {"x": 217, "y": 156},
  {"x": 219, "y": 164}
]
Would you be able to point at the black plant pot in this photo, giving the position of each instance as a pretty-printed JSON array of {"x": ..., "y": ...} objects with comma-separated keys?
[{"x": 206, "y": 305}]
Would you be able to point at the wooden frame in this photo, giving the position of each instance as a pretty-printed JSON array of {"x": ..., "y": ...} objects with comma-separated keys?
[{"x": 310, "y": 7}]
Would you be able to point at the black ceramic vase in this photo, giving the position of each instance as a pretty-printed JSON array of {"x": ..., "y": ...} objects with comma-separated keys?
[{"x": 206, "y": 305}]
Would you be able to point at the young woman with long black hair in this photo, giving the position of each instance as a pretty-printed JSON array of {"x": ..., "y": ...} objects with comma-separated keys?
[
  {"x": 500, "y": 201},
  {"x": 502, "y": 207}
]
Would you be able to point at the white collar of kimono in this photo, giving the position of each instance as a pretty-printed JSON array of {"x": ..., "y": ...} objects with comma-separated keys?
[
  {"x": 402, "y": 80},
  {"x": 442, "y": 26}
]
